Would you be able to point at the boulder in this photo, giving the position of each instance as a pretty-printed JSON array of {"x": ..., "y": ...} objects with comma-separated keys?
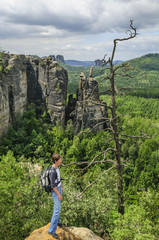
[
  {"x": 64, "y": 233},
  {"x": 42, "y": 234},
  {"x": 84, "y": 233}
]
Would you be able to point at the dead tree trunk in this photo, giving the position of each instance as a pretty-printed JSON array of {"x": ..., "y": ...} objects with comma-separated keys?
[
  {"x": 114, "y": 117},
  {"x": 114, "y": 125}
]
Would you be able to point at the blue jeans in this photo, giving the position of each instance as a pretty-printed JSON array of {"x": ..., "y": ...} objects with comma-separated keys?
[{"x": 56, "y": 213}]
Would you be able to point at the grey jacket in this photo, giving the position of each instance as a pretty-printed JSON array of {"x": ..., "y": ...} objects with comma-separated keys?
[{"x": 53, "y": 178}]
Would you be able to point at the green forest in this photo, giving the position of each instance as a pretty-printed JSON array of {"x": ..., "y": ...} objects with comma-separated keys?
[{"x": 31, "y": 140}]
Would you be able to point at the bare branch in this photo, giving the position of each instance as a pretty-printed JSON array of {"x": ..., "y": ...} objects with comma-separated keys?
[
  {"x": 123, "y": 75},
  {"x": 106, "y": 91},
  {"x": 94, "y": 127},
  {"x": 97, "y": 103},
  {"x": 86, "y": 162},
  {"x": 132, "y": 34},
  {"x": 91, "y": 184},
  {"x": 125, "y": 88},
  {"x": 90, "y": 164},
  {"x": 104, "y": 61},
  {"x": 123, "y": 65},
  {"x": 129, "y": 136}
]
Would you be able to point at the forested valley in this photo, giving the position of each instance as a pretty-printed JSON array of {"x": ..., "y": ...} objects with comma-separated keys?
[{"x": 31, "y": 140}]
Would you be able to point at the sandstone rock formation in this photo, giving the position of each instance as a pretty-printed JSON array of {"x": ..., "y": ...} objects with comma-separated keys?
[
  {"x": 64, "y": 233},
  {"x": 43, "y": 81},
  {"x": 98, "y": 62},
  {"x": 53, "y": 80},
  {"x": 13, "y": 89},
  {"x": 26, "y": 80},
  {"x": 87, "y": 111},
  {"x": 60, "y": 58}
]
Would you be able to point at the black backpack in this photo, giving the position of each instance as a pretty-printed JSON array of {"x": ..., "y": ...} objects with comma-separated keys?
[{"x": 45, "y": 180}]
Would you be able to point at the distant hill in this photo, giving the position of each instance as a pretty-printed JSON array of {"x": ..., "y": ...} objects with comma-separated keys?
[
  {"x": 144, "y": 81},
  {"x": 145, "y": 77},
  {"x": 85, "y": 63},
  {"x": 79, "y": 63},
  {"x": 149, "y": 62}
]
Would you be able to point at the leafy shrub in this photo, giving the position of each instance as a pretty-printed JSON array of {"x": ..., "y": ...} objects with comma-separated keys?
[
  {"x": 22, "y": 208},
  {"x": 139, "y": 221}
]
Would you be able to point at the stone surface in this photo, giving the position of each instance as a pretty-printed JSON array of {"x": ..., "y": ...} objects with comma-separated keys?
[{"x": 64, "y": 233}]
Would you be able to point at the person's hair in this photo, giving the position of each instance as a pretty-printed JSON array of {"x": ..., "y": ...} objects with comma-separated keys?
[{"x": 55, "y": 157}]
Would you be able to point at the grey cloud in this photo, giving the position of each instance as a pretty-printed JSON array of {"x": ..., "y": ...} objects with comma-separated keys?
[{"x": 98, "y": 16}]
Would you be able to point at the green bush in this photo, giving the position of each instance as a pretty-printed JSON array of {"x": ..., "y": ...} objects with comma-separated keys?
[
  {"x": 22, "y": 207},
  {"x": 134, "y": 225},
  {"x": 96, "y": 209}
]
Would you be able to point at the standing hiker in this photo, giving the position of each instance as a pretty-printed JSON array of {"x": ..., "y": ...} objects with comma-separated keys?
[{"x": 56, "y": 191}]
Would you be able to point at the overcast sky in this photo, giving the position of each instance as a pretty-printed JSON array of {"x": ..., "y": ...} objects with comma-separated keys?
[{"x": 78, "y": 29}]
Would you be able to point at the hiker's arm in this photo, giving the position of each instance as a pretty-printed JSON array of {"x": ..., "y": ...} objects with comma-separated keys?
[
  {"x": 58, "y": 194},
  {"x": 53, "y": 185}
]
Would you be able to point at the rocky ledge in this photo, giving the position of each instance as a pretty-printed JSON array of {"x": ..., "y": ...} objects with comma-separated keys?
[{"x": 64, "y": 233}]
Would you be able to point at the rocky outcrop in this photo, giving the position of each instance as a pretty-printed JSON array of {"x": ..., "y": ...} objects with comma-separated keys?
[
  {"x": 98, "y": 62},
  {"x": 26, "y": 80},
  {"x": 87, "y": 109},
  {"x": 60, "y": 58},
  {"x": 53, "y": 80},
  {"x": 64, "y": 233},
  {"x": 44, "y": 82}
]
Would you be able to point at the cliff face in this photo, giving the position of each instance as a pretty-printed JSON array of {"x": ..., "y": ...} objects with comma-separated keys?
[
  {"x": 53, "y": 80},
  {"x": 25, "y": 80},
  {"x": 13, "y": 89}
]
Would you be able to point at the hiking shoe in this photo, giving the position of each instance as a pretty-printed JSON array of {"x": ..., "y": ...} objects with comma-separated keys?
[
  {"x": 54, "y": 235},
  {"x": 60, "y": 224}
]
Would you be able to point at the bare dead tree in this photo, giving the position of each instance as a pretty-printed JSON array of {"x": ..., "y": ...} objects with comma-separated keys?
[
  {"x": 112, "y": 72},
  {"x": 114, "y": 122},
  {"x": 114, "y": 119}
]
